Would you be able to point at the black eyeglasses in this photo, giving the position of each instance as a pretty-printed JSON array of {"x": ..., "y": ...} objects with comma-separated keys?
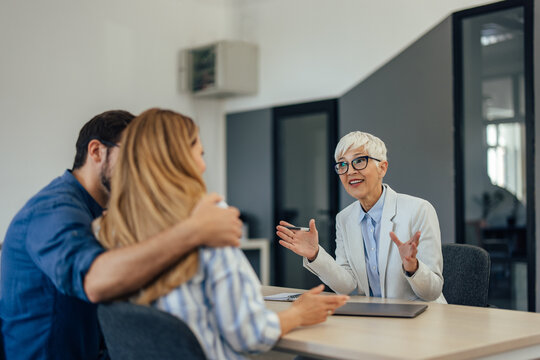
[{"x": 359, "y": 163}]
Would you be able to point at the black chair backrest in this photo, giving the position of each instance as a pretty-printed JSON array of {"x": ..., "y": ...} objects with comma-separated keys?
[
  {"x": 134, "y": 332},
  {"x": 466, "y": 274}
]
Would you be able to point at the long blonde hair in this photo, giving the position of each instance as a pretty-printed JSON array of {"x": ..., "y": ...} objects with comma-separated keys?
[{"x": 155, "y": 184}]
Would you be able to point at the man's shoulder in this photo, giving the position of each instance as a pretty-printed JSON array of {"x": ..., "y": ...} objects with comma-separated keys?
[
  {"x": 57, "y": 194},
  {"x": 59, "y": 191}
]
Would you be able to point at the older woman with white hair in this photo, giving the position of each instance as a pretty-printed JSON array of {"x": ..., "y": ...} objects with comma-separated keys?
[{"x": 387, "y": 244}]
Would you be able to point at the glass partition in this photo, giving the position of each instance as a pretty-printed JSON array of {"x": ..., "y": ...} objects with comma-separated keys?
[
  {"x": 305, "y": 184},
  {"x": 493, "y": 130}
]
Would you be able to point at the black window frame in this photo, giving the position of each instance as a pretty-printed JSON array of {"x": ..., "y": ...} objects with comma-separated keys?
[{"x": 457, "y": 33}]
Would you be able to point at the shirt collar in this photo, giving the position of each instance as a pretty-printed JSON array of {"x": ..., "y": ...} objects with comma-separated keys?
[
  {"x": 95, "y": 208},
  {"x": 375, "y": 212}
]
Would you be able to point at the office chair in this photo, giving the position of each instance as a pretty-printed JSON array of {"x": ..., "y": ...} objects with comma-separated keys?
[
  {"x": 466, "y": 274},
  {"x": 136, "y": 332}
]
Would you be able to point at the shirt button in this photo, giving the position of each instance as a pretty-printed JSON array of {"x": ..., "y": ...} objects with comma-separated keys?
[
  {"x": 371, "y": 230},
  {"x": 372, "y": 249},
  {"x": 373, "y": 267}
]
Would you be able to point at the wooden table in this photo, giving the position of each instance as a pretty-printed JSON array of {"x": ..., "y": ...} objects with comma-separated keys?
[{"x": 441, "y": 332}]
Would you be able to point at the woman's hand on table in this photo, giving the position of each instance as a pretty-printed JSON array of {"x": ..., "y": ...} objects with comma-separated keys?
[{"x": 309, "y": 309}]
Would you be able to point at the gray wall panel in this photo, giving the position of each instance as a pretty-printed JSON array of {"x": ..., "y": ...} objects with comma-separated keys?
[
  {"x": 408, "y": 103},
  {"x": 249, "y": 169}
]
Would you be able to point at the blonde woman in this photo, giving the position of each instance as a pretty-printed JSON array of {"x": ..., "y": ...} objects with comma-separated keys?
[{"x": 157, "y": 182}]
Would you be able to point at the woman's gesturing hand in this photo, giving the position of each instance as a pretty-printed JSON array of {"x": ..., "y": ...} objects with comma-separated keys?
[
  {"x": 408, "y": 251},
  {"x": 303, "y": 243}
]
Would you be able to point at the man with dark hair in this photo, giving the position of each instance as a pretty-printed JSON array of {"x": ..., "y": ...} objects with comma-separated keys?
[
  {"x": 53, "y": 270},
  {"x": 106, "y": 127}
]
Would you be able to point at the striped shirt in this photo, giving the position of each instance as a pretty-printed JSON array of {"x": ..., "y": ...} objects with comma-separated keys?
[{"x": 223, "y": 306}]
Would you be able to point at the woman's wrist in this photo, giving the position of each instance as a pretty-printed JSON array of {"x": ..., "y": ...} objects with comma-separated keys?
[
  {"x": 312, "y": 258},
  {"x": 290, "y": 319},
  {"x": 411, "y": 269}
]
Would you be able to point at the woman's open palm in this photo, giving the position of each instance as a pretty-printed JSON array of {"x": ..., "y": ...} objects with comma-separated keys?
[{"x": 303, "y": 243}]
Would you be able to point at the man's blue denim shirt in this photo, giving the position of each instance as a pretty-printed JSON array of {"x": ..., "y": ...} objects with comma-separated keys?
[{"x": 47, "y": 251}]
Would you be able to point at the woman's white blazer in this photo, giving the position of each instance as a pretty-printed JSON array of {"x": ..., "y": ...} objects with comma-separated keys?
[{"x": 404, "y": 215}]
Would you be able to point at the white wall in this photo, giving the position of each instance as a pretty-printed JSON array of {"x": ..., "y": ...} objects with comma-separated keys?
[
  {"x": 63, "y": 61},
  {"x": 314, "y": 49}
]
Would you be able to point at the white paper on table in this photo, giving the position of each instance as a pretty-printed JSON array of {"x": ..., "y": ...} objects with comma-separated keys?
[{"x": 283, "y": 297}]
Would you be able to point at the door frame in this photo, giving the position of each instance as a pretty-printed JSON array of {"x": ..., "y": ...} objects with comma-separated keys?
[{"x": 329, "y": 107}]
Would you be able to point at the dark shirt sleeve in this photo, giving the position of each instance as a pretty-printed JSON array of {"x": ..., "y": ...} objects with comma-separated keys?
[{"x": 60, "y": 242}]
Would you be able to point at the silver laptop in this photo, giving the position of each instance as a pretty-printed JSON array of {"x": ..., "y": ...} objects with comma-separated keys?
[{"x": 381, "y": 309}]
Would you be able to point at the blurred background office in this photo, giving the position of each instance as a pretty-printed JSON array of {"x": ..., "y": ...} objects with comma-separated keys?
[{"x": 447, "y": 85}]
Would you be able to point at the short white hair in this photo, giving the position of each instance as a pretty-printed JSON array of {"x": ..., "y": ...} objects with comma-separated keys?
[{"x": 371, "y": 144}]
